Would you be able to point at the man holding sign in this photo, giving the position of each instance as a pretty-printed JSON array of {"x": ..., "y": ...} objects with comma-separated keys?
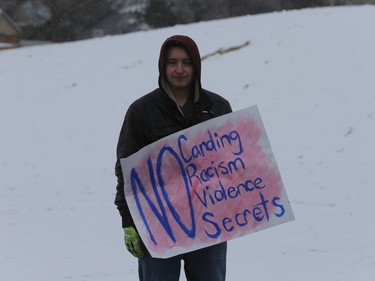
[{"x": 178, "y": 103}]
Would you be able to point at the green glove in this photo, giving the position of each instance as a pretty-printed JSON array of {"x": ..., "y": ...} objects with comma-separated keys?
[{"x": 133, "y": 242}]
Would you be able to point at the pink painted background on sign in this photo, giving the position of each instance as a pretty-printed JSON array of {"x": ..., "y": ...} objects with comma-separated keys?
[{"x": 225, "y": 219}]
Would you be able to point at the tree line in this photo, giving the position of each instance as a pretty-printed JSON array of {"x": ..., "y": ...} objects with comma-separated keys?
[{"x": 68, "y": 20}]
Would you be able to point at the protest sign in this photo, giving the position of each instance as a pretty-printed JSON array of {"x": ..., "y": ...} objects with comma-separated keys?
[{"x": 210, "y": 183}]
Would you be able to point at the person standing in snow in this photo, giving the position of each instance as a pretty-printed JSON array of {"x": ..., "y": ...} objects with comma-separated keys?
[{"x": 178, "y": 103}]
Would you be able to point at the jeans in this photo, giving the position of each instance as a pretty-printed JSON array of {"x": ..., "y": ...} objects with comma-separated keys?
[{"x": 200, "y": 265}]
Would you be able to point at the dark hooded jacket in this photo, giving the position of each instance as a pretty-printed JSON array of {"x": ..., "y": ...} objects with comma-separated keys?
[{"x": 157, "y": 115}]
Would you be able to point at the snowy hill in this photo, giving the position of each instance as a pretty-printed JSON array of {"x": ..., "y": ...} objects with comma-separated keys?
[{"x": 311, "y": 73}]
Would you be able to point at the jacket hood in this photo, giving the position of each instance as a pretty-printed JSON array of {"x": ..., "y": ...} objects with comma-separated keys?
[{"x": 192, "y": 49}]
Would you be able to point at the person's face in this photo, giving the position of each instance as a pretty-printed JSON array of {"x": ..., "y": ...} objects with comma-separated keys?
[{"x": 179, "y": 70}]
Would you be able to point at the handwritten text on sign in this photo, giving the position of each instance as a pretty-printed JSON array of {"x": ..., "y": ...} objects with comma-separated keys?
[{"x": 204, "y": 185}]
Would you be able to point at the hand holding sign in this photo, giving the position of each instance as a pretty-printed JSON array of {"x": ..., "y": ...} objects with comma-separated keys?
[{"x": 207, "y": 184}]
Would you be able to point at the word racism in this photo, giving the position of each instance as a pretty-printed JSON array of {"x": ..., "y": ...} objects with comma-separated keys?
[{"x": 206, "y": 187}]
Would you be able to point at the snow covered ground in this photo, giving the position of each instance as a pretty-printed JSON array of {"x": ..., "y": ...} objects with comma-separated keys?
[{"x": 312, "y": 74}]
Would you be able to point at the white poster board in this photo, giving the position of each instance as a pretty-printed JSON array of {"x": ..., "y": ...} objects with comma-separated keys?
[{"x": 204, "y": 185}]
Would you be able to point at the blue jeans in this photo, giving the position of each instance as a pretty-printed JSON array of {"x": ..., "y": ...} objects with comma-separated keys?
[{"x": 200, "y": 265}]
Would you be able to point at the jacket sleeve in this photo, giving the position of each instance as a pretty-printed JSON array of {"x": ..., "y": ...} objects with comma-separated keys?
[{"x": 128, "y": 144}]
